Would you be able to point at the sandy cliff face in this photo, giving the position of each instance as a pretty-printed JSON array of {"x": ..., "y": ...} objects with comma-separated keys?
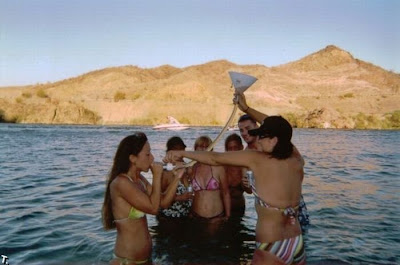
[{"x": 327, "y": 89}]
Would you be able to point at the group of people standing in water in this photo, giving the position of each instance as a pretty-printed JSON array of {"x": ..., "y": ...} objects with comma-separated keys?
[{"x": 212, "y": 190}]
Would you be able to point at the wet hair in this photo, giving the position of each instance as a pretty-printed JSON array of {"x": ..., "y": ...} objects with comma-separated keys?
[
  {"x": 175, "y": 143},
  {"x": 282, "y": 150},
  {"x": 201, "y": 140},
  {"x": 246, "y": 117},
  {"x": 233, "y": 138},
  {"x": 130, "y": 145}
]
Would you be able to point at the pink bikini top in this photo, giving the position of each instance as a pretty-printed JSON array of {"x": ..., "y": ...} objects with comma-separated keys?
[{"x": 212, "y": 184}]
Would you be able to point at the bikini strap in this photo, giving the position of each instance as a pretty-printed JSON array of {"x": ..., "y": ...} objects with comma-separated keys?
[
  {"x": 126, "y": 175},
  {"x": 143, "y": 185},
  {"x": 194, "y": 181},
  {"x": 290, "y": 212}
]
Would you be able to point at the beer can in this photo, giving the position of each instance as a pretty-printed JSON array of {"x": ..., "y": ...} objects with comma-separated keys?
[{"x": 250, "y": 177}]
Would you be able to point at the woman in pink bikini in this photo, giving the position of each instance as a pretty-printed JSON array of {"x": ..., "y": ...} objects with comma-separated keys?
[{"x": 211, "y": 200}]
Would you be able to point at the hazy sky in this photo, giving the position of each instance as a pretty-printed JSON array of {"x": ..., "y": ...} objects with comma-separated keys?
[{"x": 50, "y": 40}]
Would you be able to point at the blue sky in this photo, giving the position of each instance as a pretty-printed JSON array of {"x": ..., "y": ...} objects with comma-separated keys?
[{"x": 49, "y": 40}]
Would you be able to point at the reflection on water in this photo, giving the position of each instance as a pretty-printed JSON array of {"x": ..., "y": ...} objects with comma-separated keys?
[
  {"x": 338, "y": 192},
  {"x": 52, "y": 181},
  {"x": 194, "y": 242}
]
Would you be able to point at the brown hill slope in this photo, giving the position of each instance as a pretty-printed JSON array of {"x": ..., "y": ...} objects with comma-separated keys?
[{"x": 329, "y": 88}]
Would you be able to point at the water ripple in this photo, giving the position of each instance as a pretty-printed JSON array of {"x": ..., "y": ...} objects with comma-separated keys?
[{"x": 52, "y": 194}]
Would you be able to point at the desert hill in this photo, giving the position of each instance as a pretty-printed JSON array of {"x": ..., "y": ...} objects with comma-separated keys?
[{"x": 329, "y": 88}]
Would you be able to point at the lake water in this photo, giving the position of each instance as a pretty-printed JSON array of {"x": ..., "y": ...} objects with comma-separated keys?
[{"x": 52, "y": 180}]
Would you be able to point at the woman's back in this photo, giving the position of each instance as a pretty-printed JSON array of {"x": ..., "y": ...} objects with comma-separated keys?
[{"x": 277, "y": 191}]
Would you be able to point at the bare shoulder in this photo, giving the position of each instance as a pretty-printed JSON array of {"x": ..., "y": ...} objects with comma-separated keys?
[
  {"x": 296, "y": 154},
  {"x": 119, "y": 184},
  {"x": 260, "y": 157},
  {"x": 119, "y": 181}
]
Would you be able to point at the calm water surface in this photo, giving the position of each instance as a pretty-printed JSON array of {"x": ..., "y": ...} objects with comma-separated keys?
[{"x": 52, "y": 180}]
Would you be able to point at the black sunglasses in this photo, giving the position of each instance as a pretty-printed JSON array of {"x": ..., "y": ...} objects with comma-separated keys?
[{"x": 265, "y": 136}]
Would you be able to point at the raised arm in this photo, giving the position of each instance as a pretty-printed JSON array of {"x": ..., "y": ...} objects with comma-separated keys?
[
  {"x": 140, "y": 200},
  {"x": 240, "y": 99}
]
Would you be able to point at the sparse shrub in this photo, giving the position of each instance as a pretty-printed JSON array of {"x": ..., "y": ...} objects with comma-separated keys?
[
  {"x": 363, "y": 121},
  {"x": 373, "y": 122},
  {"x": 27, "y": 94},
  {"x": 144, "y": 121},
  {"x": 347, "y": 95},
  {"x": 119, "y": 96},
  {"x": 184, "y": 120},
  {"x": 2, "y": 116},
  {"x": 15, "y": 119},
  {"x": 19, "y": 100},
  {"x": 291, "y": 117},
  {"x": 296, "y": 120},
  {"x": 393, "y": 119},
  {"x": 135, "y": 96},
  {"x": 91, "y": 116},
  {"x": 360, "y": 121},
  {"x": 214, "y": 122},
  {"x": 41, "y": 93}
]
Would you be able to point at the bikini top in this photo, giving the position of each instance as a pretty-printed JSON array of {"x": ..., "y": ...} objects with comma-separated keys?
[
  {"x": 290, "y": 212},
  {"x": 134, "y": 213},
  {"x": 212, "y": 184}
]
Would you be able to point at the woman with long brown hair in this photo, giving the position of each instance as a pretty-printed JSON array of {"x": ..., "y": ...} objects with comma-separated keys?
[{"x": 129, "y": 197}]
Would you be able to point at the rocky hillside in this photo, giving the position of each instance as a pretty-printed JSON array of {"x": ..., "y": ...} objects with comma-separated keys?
[{"x": 327, "y": 89}]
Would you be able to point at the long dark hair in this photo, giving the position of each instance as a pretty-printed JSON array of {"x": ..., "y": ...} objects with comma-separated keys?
[
  {"x": 130, "y": 145},
  {"x": 282, "y": 150},
  {"x": 282, "y": 129}
]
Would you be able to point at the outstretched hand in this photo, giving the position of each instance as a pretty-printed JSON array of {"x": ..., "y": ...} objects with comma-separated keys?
[
  {"x": 240, "y": 100},
  {"x": 173, "y": 156},
  {"x": 179, "y": 170}
]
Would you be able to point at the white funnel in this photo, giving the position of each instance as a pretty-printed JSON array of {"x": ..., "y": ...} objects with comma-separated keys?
[{"x": 241, "y": 82}]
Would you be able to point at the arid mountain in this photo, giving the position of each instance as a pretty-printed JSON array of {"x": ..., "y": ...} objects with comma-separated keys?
[{"x": 327, "y": 89}]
